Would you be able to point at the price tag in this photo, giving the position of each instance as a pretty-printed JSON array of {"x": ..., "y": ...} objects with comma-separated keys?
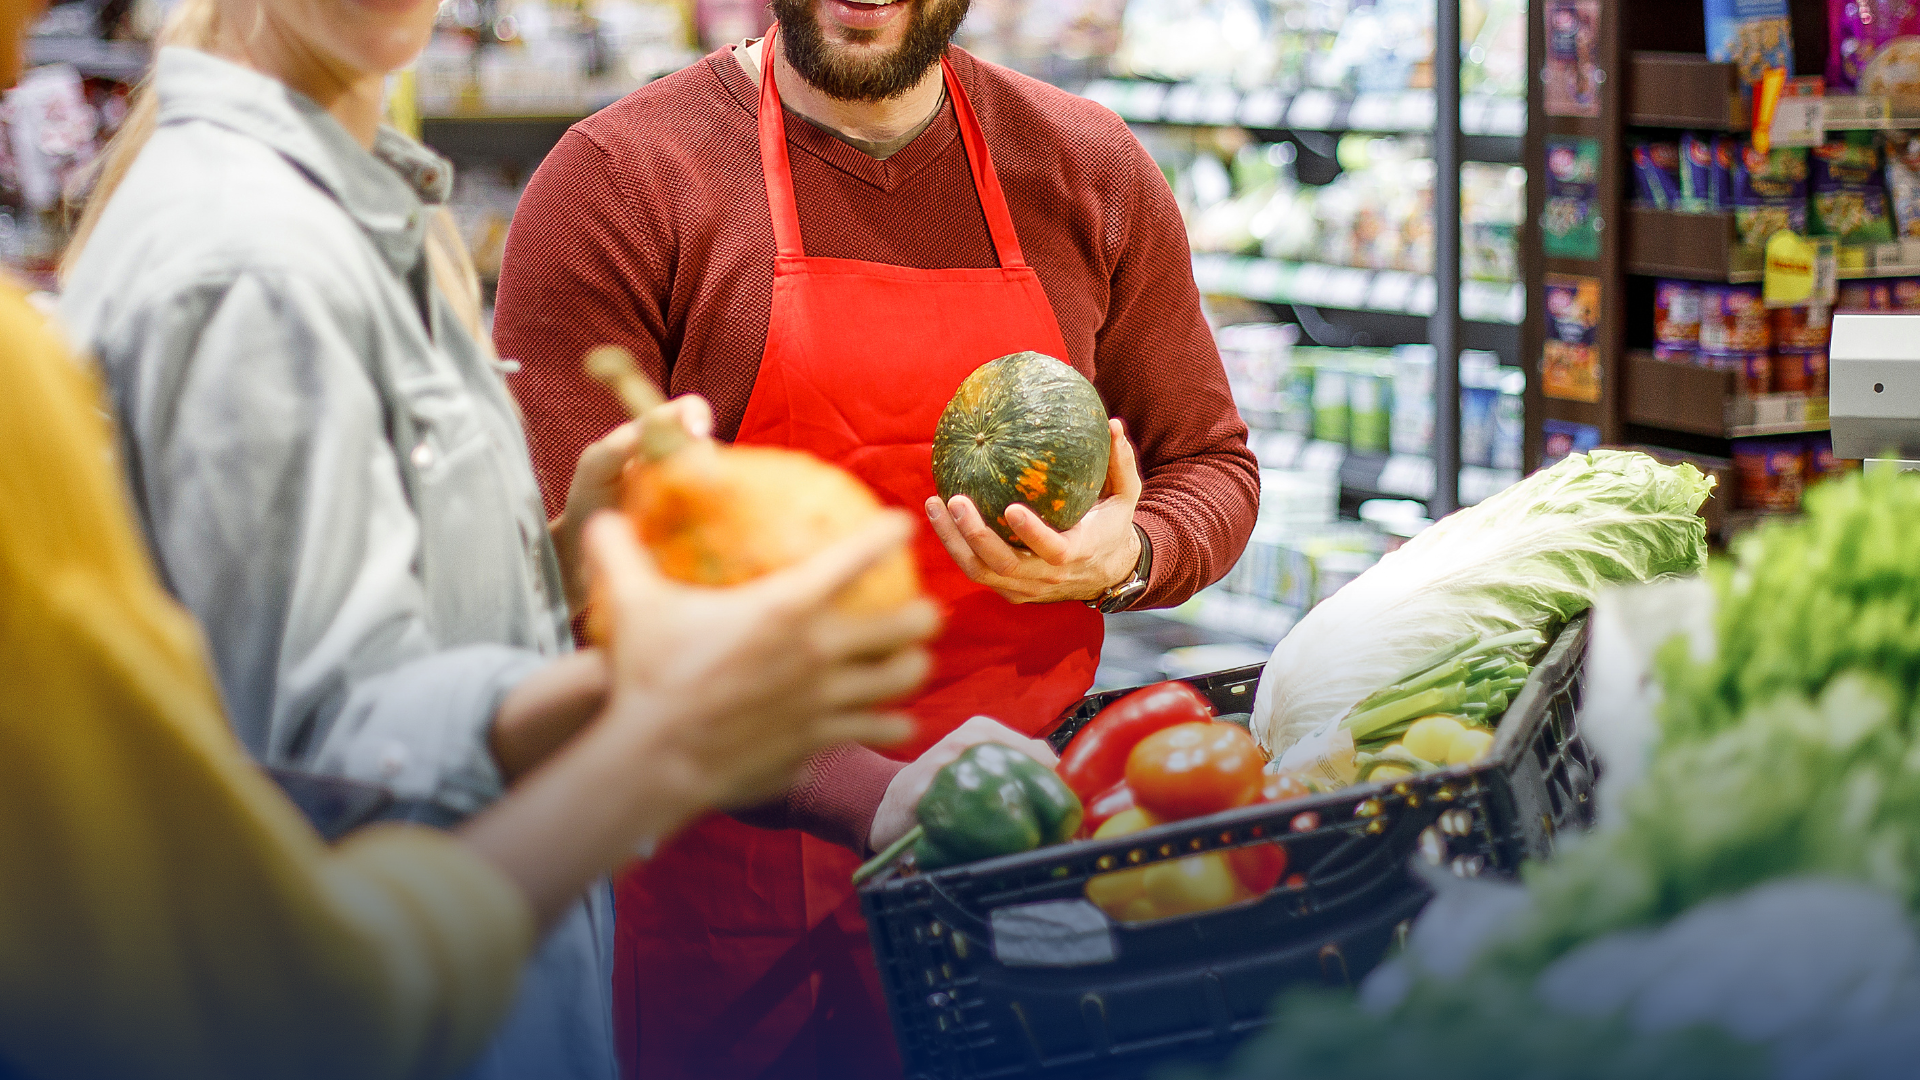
[
  {"x": 1183, "y": 104},
  {"x": 1391, "y": 291},
  {"x": 1209, "y": 272},
  {"x": 1405, "y": 474},
  {"x": 1800, "y": 116},
  {"x": 1145, "y": 102},
  {"x": 1426, "y": 297},
  {"x": 1266, "y": 279},
  {"x": 1416, "y": 110},
  {"x": 1221, "y": 106},
  {"x": 1264, "y": 109},
  {"x": 1313, "y": 110},
  {"x": 1108, "y": 92},
  {"x": 1374, "y": 112},
  {"x": 1347, "y": 288},
  {"x": 1322, "y": 457},
  {"x": 1310, "y": 283}
]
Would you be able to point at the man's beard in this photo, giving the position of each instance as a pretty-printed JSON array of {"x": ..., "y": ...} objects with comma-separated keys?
[{"x": 848, "y": 78}]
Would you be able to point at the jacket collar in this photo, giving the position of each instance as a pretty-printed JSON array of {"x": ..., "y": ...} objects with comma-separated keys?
[{"x": 386, "y": 192}]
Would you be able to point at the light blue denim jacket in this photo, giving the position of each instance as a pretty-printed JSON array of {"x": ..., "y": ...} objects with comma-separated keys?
[{"x": 331, "y": 473}]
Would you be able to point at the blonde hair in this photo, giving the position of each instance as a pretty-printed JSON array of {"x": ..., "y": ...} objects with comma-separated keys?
[{"x": 194, "y": 24}]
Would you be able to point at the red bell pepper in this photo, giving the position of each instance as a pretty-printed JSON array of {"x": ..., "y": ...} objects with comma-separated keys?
[
  {"x": 1258, "y": 866},
  {"x": 1195, "y": 769},
  {"x": 1117, "y": 799},
  {"x": 1096, "y": 759}
]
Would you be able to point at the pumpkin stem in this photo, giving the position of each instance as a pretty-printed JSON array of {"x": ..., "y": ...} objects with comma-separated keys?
[{"x": 613, "y": 367}]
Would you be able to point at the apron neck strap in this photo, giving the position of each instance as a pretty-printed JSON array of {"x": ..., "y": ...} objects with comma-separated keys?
[{"x": 778, "y": 168}]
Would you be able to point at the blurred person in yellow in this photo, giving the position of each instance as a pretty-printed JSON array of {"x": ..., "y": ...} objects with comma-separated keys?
[{"x": 165, "y": 912}]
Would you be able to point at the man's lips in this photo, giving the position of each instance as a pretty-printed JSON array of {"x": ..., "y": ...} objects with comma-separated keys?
[{"x": 864, "y": 14}]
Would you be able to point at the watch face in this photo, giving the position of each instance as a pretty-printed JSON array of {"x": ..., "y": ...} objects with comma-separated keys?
[{"x": 1122, "y": 596}]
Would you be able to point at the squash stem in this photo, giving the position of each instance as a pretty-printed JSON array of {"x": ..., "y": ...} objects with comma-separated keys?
[{"x": 886, "y": 858}]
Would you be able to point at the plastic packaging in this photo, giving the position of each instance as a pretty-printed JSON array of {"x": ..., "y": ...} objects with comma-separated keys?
[
  {"x": 1769, "y": 192},
  {"x": 1808, "y": 367},
  {"x": 1656, "y": 174},
  {"x": 1676, "y": 312},
  {"x": 1869, "y": 45},
  {"x": 1773, "y": 473},
  {"x": 1753, "y": 35},
  {"x": 1804, "y": 327},
  {"x": 1849, "y": 198},
  {"x": 1733, "y": 319},
  {"x": 1696, "y": 173}
]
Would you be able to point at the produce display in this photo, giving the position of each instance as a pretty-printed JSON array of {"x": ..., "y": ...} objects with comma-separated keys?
[
  {"x": 720, "y": 515},
  {"x": 1521, "y": 562},
  {"x": 1026, "y": 429},
  {"x": 1749, "y": 911}
]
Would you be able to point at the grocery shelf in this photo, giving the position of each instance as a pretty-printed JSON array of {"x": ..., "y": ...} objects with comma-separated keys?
[
  {"x": 1706, "y": 247},
  {"x": 1703, "y": 401},
  {"x": 1246, "y": 616},
  {"x": 1686, "y": 90},
  {"x": 121, "y": 61},
  {"x": 1493, "y": 125},
  {"x": 1351, "y": 288},
  {"x": 1368, "y": 474}
]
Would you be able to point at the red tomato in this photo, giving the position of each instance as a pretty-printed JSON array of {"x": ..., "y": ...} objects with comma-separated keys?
[
  {"x": 1115, "y": 800},
  {"x": 1190, "y": 770},
  {"x": 1258, "y": 866},
  {"x": 1284, "y": 787},
  {"x": 1096, "y": 759}
]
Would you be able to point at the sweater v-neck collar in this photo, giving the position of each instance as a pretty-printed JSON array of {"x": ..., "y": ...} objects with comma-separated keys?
[{"x": 887, "y": 176}]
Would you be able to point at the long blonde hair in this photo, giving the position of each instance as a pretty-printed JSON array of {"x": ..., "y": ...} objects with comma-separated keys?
[{"x": 195, "y": 24}]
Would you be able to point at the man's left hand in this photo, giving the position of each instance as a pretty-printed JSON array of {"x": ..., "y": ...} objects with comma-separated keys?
[{"x": 1079, "y": 564}]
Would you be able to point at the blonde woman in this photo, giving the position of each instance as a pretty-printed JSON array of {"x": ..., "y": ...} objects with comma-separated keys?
[{"x": 324, "y": 459}]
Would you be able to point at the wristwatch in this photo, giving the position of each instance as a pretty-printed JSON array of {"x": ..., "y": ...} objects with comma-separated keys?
[{"x": 1122, "y": 596}]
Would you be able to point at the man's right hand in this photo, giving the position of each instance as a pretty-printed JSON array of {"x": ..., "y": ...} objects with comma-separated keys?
[{"x": 738, "y": 687}]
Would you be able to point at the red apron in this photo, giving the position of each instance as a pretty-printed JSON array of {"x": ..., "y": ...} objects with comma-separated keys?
[{"x": 741, "y": 952}]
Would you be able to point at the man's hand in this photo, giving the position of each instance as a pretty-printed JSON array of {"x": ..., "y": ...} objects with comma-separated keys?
[
  {"x": 1079, "y": 564},
  {"x": 896, "y": 816},
  {"x": 596, "y": 485}
]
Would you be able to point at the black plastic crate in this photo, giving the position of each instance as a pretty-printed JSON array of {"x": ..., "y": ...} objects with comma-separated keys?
[{"x": 1002, "y": 969}]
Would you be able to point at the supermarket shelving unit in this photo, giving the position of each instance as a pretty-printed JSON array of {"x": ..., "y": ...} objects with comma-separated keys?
[{"x": 1657, "y": 78}]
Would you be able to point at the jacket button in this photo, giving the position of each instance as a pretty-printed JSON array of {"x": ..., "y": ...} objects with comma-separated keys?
[{"x": 422, "y": 456}]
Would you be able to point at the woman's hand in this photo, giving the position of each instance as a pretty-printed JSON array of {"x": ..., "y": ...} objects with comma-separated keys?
[
  {"x": 596, "y": 484},
  {"x": 740, "y": 686},
  {"x": 896, "y": 814},
  {"x": 719, "y": 696},
  {"x": 1079, "y": 564}
]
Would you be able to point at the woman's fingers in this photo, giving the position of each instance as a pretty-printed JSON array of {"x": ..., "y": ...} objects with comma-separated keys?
[
  {"x": 839, "y": 637},
  {"x": 858, "y": 685}
]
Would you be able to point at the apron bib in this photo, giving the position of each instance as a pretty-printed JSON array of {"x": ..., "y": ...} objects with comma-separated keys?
[{"x": 742, "y": 953}]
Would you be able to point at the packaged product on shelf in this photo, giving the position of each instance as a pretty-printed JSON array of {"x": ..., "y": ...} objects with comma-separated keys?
[
  {"x": 1801, "y": 370},
  {"x": 1510, "y": 421},
  {"x": 1903, "y": 294},
  {"x": 1870, "y": 46},
  {"x": 1330, "y": 418},
  {"x": 1821, "y": 464},
  {"x": 1656, "y": 174},
  {"x": 1773, "y": 473},
  {"x": 1479, "y": 401},
  {"x": 1696, "y": 173},
  {"x": 1676, "y": 354},
  {"x": 1769, "y": 192},
  {"x": 1864, "y": 296},
  {"x": 1412, "y": 431},
  {"x": 1753, "y": 35},
  {"x": 1567, "y": 222},
  {"x": 1733, "y": 319},
  {"x": 1903, "y": 182},
  {"x": 1257, "y": 357},
  {"x": 1676, "y": 313},
  {"x": 1849, "y": 197},
  {"x": 1296, "y": 396},
  {"x": 1564, "y": 437},
  {"x": 1726, "y": 149},
  {"x": 1369, "y": 404},
  {"x": 1808, "y": 326}
]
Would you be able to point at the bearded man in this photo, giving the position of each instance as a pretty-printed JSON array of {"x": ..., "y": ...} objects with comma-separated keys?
[{"x": 823, "y": 233}]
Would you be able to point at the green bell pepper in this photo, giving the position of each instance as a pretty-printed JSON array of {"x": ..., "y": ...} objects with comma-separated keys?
[{"x": 991, "y": 800}]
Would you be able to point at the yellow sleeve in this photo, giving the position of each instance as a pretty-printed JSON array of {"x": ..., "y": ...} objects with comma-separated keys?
[{"x": 163, "y": 911}]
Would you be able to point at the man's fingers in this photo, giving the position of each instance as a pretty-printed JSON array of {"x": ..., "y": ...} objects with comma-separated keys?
[
  {"x": 1039, "y": 537},
  {"x": 831, "y": 571},
  {"x": 992, "y": 551},
  {"x": 1123, "y": 468},
  {"x": 844, "y": 637},
  {"x": 948, "y": 532},
  {"x": 857, "y": 686}
]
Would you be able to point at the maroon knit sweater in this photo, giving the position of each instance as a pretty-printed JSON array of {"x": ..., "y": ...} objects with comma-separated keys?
[{"x": 647, "y": 227}]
